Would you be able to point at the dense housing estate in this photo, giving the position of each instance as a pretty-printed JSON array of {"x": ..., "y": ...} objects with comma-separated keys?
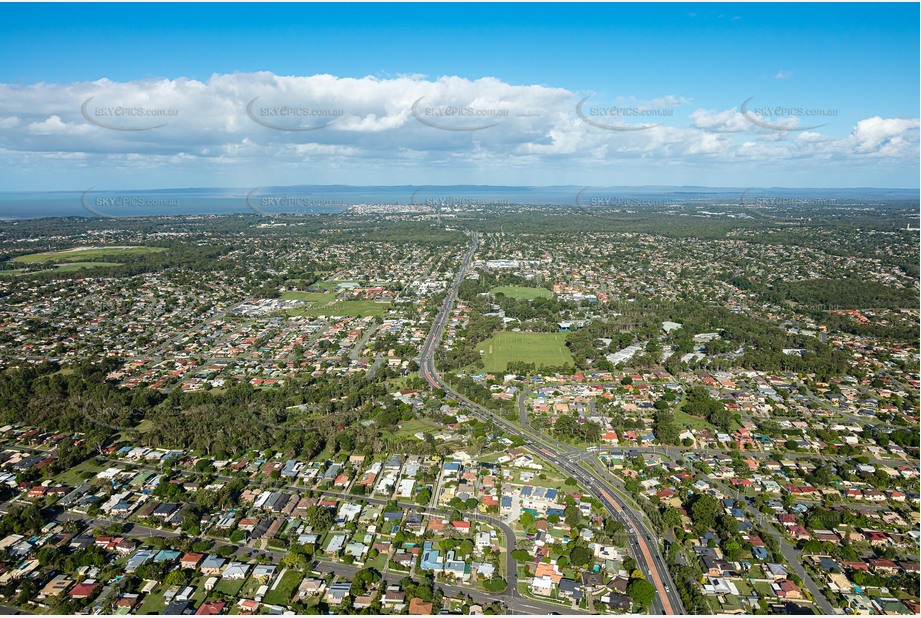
[{"x": 387, "y": 412}]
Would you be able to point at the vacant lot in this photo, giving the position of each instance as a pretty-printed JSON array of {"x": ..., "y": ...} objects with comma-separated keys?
[
  {"x": 284, "y": 590},
  {"x": 548, "y": 349},
  {"x": 84, "y": 255},
  {"x": 683, "y": 419},
  {"x": 515, "y": 291}
]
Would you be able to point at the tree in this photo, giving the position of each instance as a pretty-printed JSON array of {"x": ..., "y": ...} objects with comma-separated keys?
[
  {"x": 666, "y": 433},
  {"x": 521, "y": 555},
  {"x": 580, "y": 555},
  {"x": 704, "y": 511},
  {"x": 496, "y": 585},
  {"x": 572, "y": 515},
  {"x": 294, "y": 560},
  {"x": 727, "y": 526},
  {"x": 642, "y": 593},
  {"x": 526, "y": 520},
  {"x": 732, "y": 551},
  {"x": 177, "y": 577},
  {"x": 671, "y": 517}
]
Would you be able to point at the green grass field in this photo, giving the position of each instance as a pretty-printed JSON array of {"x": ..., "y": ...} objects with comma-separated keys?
[
  {"x": 408, "y": 429},
  {"x": 515, "y": 291},
  {"x": 83, "y": 255},
  {"x": 548, "y": 349},
  {"x": 230, "y": 587},
  {"x": 351, "y": 308},
  {"x": 285, "y": 588},
  {"x": 313, "y": 297},
  {"x": 329, "y": 285},
  {"x": 683, "y": 419},
  {"x": 154, "y": 603},
  {"x": 74, "y": 476}
]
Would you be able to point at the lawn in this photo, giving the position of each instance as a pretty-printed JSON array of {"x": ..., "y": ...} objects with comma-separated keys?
[
  {"x": 379, "y": 563},
  {"x": 683, "y": 419},
  {"x": 408, "y": 429},
  {"x": 547, "y": 349},
  {"x": 146, "y": 425},
  {"x": 351, "y": 308},
  {"x": 154, "y": 603},
  {"x": 74, "y": 476},
  {"x": 553, "y": 481},
  {"x": 313, "y": 297},
  {"x": 517, "y": 291},
  {"x": 744, "y": 587},
  {"x": 329, "y": 285},
  {"x": 80, "y": 254},
  {"x": 285, "y": 588},
  {"x": 763, "y": 589},
  {"x": 230, "y": 587}
]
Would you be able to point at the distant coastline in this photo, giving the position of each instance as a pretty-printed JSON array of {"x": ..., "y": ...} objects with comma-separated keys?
[{"x": 313, "y": 199}]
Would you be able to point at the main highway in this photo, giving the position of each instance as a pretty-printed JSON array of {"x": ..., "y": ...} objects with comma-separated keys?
[{"x": 642, "y": 544}]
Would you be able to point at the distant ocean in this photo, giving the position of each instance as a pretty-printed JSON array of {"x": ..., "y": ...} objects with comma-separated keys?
[{"x": 336, "y": 198}]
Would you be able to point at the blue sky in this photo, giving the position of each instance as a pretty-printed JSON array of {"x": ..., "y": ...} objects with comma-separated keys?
[{"x": 688, "y": 68}]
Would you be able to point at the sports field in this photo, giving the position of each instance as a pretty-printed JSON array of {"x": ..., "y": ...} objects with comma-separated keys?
[
  {"x": 328, "y": 285},
  {"x": 313, "y": 297},
  {"x": 516, "y": 291},
  {"x": 351, "y": 308},
  {"x": 80, "y": 254},
  {"x": 548, "y": 349}
]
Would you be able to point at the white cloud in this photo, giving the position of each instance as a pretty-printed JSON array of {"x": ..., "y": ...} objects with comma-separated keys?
[
  {"x": 884, "y": 135},
  {"x": 369, "y": 123},
  {"x": 728, "y": 121},
  {"x": 53, "y": 125},
  {"x": 670, "y": 101}
]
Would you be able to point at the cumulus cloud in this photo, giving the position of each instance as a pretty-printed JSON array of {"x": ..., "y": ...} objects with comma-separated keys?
[
  {"x": 670, "y": 101},
  {"x": 244, "y": 120},
  {"x": 884, "y": 135},
  {"x": 727, "y": 121}
]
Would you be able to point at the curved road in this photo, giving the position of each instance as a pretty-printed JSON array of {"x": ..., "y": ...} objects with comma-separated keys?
[{"x": 644, "y": 549}]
